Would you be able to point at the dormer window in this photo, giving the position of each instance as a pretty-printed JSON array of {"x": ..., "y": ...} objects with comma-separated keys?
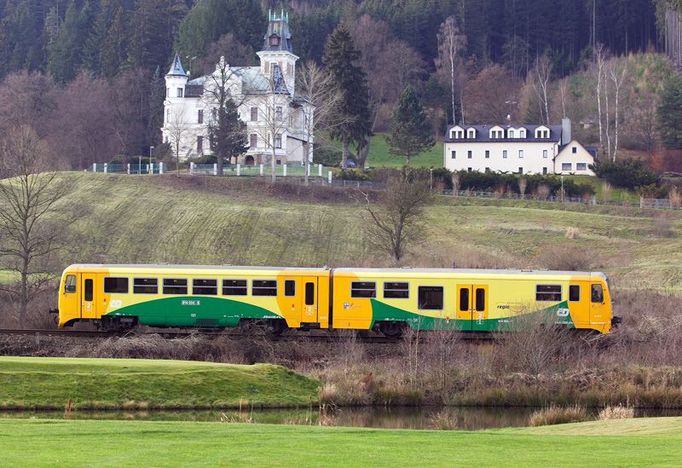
[
  {"x": 522, "y": 133},
  {"x": 512, "y": 133},
  {"x": 274, "y": 40},
  {"x": 542, "y": 133},
  {"x": 457, "y": 133},
  {"x": 496, "y": 133},
  {"x": 471, "y": 133}
]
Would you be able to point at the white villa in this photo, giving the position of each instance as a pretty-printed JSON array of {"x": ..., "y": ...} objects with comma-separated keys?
[
  {"x": 520, "y": 149},
  {"x": 275, "y": 116}
]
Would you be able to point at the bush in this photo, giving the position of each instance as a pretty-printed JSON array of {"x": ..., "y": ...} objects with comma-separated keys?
[
  {"x": 628, "y": 173},
  {"x": 557, "y": 415},
  {"x": 616, "y": 412},
  {"x": 327, "y": 156}
]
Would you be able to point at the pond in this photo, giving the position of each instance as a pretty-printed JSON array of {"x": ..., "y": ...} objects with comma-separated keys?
[{"x": 464, "y": 418}]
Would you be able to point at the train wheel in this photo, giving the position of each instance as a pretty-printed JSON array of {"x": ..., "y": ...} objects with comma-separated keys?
[
  {"x": 392, "y": 330},
  {"x": 274, "y": 328}
]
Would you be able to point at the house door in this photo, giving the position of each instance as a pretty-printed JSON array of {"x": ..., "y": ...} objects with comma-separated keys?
[{"x": 472, "y": 307}]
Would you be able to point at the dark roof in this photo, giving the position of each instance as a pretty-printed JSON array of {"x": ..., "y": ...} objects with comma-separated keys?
[
  {"x": 194, "y": 90},
  {"x": 278, "y": 36},
  {"x": 176, "y": 68},
  {"x": 483, "y": 133}
]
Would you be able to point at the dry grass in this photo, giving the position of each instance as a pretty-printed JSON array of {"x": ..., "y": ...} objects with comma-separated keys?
[
  {"x": 557, "y": 415},
  {"x": 567, "y": 257},
  {"x": 616, "y": 412}
]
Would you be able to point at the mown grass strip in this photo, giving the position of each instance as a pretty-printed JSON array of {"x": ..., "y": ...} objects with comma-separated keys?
[
  {"x": 51, "y": 383},
  {"x": 133, "y": 443}
]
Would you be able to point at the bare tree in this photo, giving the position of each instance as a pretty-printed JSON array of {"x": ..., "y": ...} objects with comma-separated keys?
[
  {"x": 317, "y": 89},
  {"x": 618, "y": 72},
  {"x": 177, "y": 129},
  {"x": 450, "y": 43},
  {"x": 28, "y": 199},
  {"x": 542, "y": 73},
  {"x": 396, "y": 220},
  {"x": 600, "y": 61}
]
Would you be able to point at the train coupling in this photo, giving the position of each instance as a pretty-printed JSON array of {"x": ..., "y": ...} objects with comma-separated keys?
[
  {"x": 616, "y": 320},
  {"x": 55, "y": 314}
]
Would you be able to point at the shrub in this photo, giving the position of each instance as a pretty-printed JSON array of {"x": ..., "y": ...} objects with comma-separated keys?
[
  {"x": 557, "y": 415},
  {"x": 616, "y": 412},
  {"x": 628, "y": 173},
  {"x": 326, "y": 155}
]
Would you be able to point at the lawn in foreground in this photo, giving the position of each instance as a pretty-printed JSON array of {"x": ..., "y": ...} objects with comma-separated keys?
[
  {"x": 656, "y": 441},
  {"x": 137, "y": 383}
]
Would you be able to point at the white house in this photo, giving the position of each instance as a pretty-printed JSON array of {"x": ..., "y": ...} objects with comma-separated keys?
[
  {"x": 521, "y": 149},
  {"x": 275, "y": 116}
]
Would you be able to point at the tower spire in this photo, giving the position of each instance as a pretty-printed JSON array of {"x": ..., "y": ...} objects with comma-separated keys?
[{"x": 176, "y": 68}]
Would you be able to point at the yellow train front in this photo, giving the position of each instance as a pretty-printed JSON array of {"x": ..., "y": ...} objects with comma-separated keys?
[{"x": 388, "y": 300}]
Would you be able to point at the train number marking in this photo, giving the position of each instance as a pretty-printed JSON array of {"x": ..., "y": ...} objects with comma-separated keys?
[{"x": 190, "y": 302}]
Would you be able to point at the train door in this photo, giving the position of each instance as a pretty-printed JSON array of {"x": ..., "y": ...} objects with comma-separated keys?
[
  {"x": 309, "y": 308},
  {"x": 290, "y": 301},
  {"x": 579, "y": 303},
  {"x": 472, "y": 307},
  {"x": 89, "y": 295}
]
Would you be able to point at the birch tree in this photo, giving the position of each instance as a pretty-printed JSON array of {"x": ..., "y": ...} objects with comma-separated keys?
[
  {"x": 618, "y": 70},
  {"x": 542, "y": 73},
  {"x": 450, "y": 43}
]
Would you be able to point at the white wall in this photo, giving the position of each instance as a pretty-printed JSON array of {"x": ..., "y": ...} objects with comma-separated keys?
[
  {"x": 567, "y": 156},
  {"x": 532, "y": 161}
]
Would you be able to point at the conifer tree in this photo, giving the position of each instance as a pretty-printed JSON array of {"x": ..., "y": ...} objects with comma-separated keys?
[
  {"x": 411, "y": 131},
  {"x": 113, "y": 51},
  {"x": 227, "y": 132},
  {"x": 340, "y": 57},
  {"x": 670, "y": 113}
]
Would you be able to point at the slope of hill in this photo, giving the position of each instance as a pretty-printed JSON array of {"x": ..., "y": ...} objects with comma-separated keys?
[{"x": 161, "y": 219}]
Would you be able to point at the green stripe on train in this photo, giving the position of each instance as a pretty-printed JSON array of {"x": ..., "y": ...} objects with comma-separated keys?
[
  {"x": 556, "y": 314},
  {"x": 193, "y": 311}
]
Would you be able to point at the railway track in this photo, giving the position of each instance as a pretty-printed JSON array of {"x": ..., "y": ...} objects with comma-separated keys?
[{"x": 294, "y": 336}]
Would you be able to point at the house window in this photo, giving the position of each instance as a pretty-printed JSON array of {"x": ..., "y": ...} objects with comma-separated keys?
[
  {"x": 544, "y": 171},
  {"x": 581, "y": 166},
  {"x": 512, "y": 134},
  {"x": 253, "y": 140},
  {"x": 274, "y": 40},
  {"x": 254, "y": 114},
  {"x": 469, "y": 154},
  {"x": 522, "y": 133},
  {"x": 471, "y": 133},
  {"x": 548, "y": 292},
  {"x": 520, "y": 153},
  {"x": 396, "y": 290},
  {"x": 363, "y": 289},
  {"x": 200, "y": 116},
  {"x": 278, "y": 140},
  {"x": 179, "y": 92},
  {"x": 487, "y": 169},
  {"x": 520, "y": 170},
  {"x": 566, "y": 166},
  {"x": 487, "y": 154},
  {"x": 264, "y": 288},
  {"x": 574, "y": 150},
  {"x": 431, "y": 297},
  {"x": 504, "y": 154},
  {"x": 200, "y": 144},
  {"x": 544, "y": 154},
  {"x": 453, "y": 154},
  {"x": 470, "y": 169},
  {"x": 278, "y": 113}
]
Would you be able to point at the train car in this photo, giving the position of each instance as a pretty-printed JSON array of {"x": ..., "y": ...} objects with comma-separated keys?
[
  {"x": 468, "y": 300},
  {"x": 123, "y": 296},
  {"x": 387, "y": 300}
]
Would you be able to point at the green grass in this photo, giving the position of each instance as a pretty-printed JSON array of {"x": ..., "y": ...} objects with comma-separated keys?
[
  {"x": 130, "y": 383},
  {"x": 132, "y": 443},
  {"x": 135, "y": 219},
  {"x": 379, "y": 155}
]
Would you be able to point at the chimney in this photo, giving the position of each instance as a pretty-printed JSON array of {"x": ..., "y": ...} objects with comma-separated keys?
[{"x": 566, "y": 137}]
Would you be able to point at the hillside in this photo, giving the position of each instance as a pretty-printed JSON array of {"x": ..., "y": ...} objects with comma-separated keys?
[{"x": 163, "y": 219}]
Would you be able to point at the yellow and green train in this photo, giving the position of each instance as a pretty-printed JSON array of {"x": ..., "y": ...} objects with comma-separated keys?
[{"x": 386, "y": 300}]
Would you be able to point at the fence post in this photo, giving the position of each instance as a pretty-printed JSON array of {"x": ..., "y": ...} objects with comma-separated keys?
[
  {"x": 329, "y": 177},
  {"x": 94, "y": 167},
  {"x": 319, "y": 170},
  {"x": 239, "y": 170},
  {"x": 151, "y": 168},
  {"x": 191, "y": 168},
  {"x": 261, "y": 169},
  {"x": 106, "y": 168},
  {"x": 284, "y": 169},
  {"x": 128, "y": 168},
  {"x": 307, "y": 170},
  {"x": 641, "y": 202},
  {"x": 215, "y": 168},
  {"x": 161, "y": 168}
]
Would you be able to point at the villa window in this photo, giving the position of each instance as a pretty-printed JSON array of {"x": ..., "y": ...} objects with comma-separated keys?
[
  {"x": 254, "y": 114},
  {"x": 470, "y": 154},
  {"x": 278, "y": 140},
  {"x": 504, "y": 154},
  {"x": 200, "y": 116},
  {"x": 253, "y": 140},
  {"x": 200, "y": 144},
  {"x": 487, "y": 154},
  {"x": 521, "y": 154},
  {"x": 180, "y": 92}
]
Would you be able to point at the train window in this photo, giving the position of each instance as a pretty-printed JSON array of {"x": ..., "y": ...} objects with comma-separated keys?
[
  {"x": 480, "y": 299},
  {"x": 290, "y": 288},
  {"x": 174, "y": 286},
  {"x": 574, "y": 293},
  {"x": 145, "y": 286},
  {"x": 116, "y": 285},
  {"x": 396, "y": 290},
  {"x": 597, "y": 293},
  {"x": 70, "y": 284},
  {"x": 88, "y": 290},
  {"x": 431, "y": 297},
  {"x": 464, "y": 299},
  {"x": 264, "y": 288},
  {"x": 233, "y": 287},
  {"x": 205, "y": 287},
  {"x": 363, "y": 289},
  {"x": 548, "y": 292},
  {"x": 309, "y": 293}
]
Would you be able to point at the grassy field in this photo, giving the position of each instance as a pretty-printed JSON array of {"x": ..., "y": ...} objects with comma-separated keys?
[
  {"x": 379, "y": 155},
  {"x": 130, "y": 383},
  {"x": 130, "y": 443},
  {"x": 139, "y": 219}
]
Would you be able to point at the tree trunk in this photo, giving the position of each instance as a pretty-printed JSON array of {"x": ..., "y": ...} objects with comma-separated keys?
[
  {"x": 306, "y": 166},
  {"x": 363, "y": 152},
  {"x": 273, "y": 176},
  {"x": 344, "y": 154}
]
